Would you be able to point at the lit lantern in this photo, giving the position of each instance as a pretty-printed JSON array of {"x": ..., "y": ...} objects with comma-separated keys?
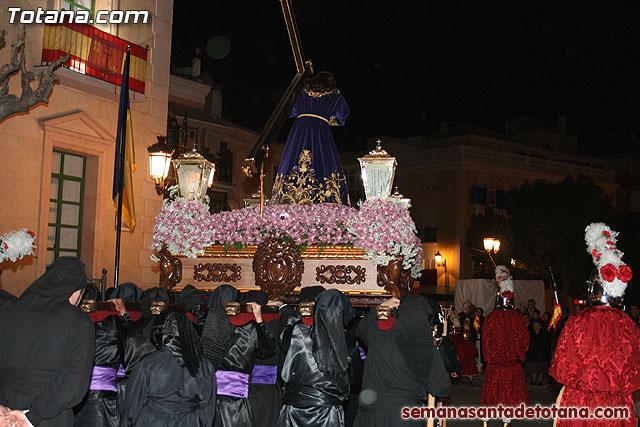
[
  {"x": 194, "y": 175},
  {"x": 159, "y": 162},
  {"x": 491, "y": 244},
  {"x": 378, "y": 170}
]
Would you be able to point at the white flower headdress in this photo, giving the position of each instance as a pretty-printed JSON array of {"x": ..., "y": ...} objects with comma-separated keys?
[{"x": 601, "y": 245}]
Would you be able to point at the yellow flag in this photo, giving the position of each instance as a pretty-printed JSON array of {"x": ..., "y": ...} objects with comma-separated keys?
[
  {"x": 128, "y": 207},
  {"x": 557, "y": 314}
]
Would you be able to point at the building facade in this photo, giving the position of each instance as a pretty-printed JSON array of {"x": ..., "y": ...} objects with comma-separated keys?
[
  {"x": 57, "y": 159},
  {"x": 193, "y": 96},
  {"x": 462, "y": 171}
]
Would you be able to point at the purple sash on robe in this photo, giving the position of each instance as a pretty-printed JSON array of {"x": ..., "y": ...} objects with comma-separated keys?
[
  {"x": 232, "y": 383},
  {"x": 363, "y": 355},
  {"x": 264, "y": 374},
  {"x": 103, "y": 378},
  {"x": 121, "y": 372}
]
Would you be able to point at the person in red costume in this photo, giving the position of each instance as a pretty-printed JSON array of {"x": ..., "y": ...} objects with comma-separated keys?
[
  {"x": 465, "y": 344},
  {"x": 505, "y": 340},
  {"x": 592, "y": 376}
]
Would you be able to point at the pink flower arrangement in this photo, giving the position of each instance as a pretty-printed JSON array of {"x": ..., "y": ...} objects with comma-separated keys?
[{"x": 383, "y": 228}]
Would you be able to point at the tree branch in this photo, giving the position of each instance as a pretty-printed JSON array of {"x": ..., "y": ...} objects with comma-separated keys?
[
  {"x": 16, "y": 48},
  {"x": 11, "y": 104}
]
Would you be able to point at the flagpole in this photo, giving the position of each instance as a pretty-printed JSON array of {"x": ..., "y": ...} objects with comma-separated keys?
[{"x": 123, "y": 141}]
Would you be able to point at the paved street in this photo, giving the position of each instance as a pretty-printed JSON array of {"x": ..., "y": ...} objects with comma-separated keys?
[{"x": 465, "y": 395}]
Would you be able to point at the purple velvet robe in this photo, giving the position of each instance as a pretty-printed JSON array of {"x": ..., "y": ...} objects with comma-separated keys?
[{"x": 310, "y": 170}]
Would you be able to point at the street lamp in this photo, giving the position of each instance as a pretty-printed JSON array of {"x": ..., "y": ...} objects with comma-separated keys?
[
  {"x": 491, "y": 244},
  {"x": 378, "y": 170},
  {"x": 159, "y": 162},
  {"x": 194, "y": 173},
  {"x": 441, "y": 263}
]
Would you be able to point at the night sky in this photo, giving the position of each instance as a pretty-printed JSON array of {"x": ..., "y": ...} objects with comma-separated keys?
[{"x": 404, "y": 66}]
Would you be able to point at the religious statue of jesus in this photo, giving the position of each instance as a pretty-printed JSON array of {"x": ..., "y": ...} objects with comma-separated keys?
[{"x": 310, "y": 170}]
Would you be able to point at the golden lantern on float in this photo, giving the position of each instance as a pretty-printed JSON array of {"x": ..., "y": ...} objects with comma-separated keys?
[
  {"x": 378, "y": 171},
  {"x": 194, "y": 174}
]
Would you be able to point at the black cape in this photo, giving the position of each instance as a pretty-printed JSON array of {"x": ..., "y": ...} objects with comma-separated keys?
[
  {"x": 173, "y": 386},
  {"x": 249, "y": 342},
  {"x": 161, "y": 393},
  {"x": 310, "y": 398},
  {"x": 47, "y": 347},
  {"x": 137, "y": 340},
  {"x": 266, "y": 399},
  {"x": 100, "y": 407},
  {"x": 387, "y": 383}
]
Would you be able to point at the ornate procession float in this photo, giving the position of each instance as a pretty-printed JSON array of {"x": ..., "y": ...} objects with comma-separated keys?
[
  {"x": 314, "y": 239},
  {"x": 365, "y": 252}
]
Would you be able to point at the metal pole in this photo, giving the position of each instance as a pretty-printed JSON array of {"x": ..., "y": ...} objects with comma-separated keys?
[{"x": 123, "y": 140}]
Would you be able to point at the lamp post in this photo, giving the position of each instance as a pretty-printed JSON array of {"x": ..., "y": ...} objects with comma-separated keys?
[
  {"x": 378, "y": 170},
  {"x": 159, "y": 162},
  {"x": 441, "y": 263},
  {"x": 194, "y": 173},
  {"x": 492, "y": 246}
]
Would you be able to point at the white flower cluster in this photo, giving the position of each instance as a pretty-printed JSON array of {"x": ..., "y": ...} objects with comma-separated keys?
[
  {"x": 504, "y": 279},
  {"x": 601, "y": 245},
  {"x": 16, "y": 245}
]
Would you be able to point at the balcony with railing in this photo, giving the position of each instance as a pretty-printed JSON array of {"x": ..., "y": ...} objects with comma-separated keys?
[
  {"x": 94, "y": 53},
  {"x": 460, "y": 153}
]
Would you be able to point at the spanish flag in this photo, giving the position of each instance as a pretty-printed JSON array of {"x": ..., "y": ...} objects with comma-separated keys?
[
  {"x": 124, "y": 144},
  {"x": 557, "y": 314},
  {"x": 94, "y": 53},
  {"x": 476, "y": 323}
]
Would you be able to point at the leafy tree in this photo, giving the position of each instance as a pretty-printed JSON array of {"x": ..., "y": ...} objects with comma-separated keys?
[
  {"x": 489, "y": 224},
  {"x": 11, "y": 104},
  {"x": 545, "y": 227},
  {"x": 628, "y": 224},
  {"x": 549, "y": 221}
]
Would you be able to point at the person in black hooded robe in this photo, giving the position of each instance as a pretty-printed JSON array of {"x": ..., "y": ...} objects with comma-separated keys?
[
  {"x": 399, "y": 362},
  {"x": 127, "y": 292},
  {"x": 99, "y": 408},
  {"x": 137, "y": 342},
  {"x": 173, "y": 386},
  {"x": 6, "y": 298},
  {"x": 232, "y": 344},
  {"x": 316, "y": 367},
  {"x": 193, "y": 299},
  {"x": 265, "y": 394},
  {"x": 46, "y": 350}
]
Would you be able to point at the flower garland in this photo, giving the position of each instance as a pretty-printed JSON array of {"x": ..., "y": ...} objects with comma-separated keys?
[
  {"x": 601, "y": 245},
  {"x": 16, "y": 245},
  {"x": 382, "y": 227}
]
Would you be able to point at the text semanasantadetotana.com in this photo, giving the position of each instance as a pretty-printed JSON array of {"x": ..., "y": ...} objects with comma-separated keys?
[{"x": 518, "y": 412}]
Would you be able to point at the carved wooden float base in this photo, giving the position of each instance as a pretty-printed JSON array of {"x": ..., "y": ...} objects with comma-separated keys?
[{"x": 279, "y": 269}]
